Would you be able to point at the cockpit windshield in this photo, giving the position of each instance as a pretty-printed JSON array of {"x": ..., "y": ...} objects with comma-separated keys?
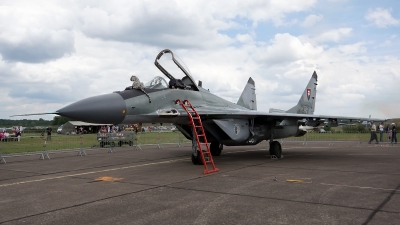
[{"x": 156, "y": 83}]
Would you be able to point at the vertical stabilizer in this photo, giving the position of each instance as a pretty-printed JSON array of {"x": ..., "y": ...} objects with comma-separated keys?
[
  {"x": 248, "y": 97},
  {"x": 307, "y": 100}
]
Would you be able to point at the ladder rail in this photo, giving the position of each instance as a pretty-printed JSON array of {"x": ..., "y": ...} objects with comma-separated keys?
[{"x": 195, "y": 126}]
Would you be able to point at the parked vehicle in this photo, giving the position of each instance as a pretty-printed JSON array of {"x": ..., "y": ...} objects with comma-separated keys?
[
  {"x": 59, "y": 130},
  {"x": 121, "y": 138}
]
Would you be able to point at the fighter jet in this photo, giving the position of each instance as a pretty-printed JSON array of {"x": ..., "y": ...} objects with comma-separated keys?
[{"x": 224, "y": 122}]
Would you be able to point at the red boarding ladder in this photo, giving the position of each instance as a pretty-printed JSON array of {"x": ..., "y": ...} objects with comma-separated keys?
[{"x": 198, "y": 131}]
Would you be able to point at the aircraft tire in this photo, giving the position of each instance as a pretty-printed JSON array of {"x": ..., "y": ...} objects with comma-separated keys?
[
  {"x": 216, "y": 148},
  {"x": 196, "y": 160},
  {"x": 275, "y": 148}
]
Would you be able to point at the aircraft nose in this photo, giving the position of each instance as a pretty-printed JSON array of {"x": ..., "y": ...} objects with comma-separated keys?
[{"x": 104, "y": 109}]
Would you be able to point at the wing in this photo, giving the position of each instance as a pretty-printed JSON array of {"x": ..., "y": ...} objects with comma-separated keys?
[{"x": 215, "y": 112}]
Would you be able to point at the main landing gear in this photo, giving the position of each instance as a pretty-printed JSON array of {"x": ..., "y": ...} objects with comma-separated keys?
[
  {"x": 216, "y": 148},
  {"x": 275, "y": 149},
  {"x": 196, "y": 159}
]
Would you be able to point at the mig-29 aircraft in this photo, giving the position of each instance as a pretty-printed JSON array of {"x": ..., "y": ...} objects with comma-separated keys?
[{"x": 224, "y": 122}]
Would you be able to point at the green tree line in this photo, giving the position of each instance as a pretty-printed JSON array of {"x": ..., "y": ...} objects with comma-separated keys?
[{"x": 57, "y": 120}]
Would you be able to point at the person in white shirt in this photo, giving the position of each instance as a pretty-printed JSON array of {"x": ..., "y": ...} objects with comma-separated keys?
[
  {"x": 373, "y": 133},
  {"x": 6, "y": 135},
  {"x": 381, "y": 127}
]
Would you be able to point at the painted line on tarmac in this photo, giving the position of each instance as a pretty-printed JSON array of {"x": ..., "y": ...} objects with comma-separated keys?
[
  {"x": 93, "y": 172},
  {"x": 361, "y": 187}
]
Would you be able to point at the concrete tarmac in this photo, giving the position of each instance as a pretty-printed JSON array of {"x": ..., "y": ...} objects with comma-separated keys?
[{"x": 312, "y": 184}]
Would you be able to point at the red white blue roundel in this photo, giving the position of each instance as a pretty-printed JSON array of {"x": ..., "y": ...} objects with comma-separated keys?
[{"x": 308, "y": 93}]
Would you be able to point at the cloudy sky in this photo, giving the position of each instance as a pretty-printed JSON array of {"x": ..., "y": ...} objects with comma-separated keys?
[{"x": 53, "y": 53}]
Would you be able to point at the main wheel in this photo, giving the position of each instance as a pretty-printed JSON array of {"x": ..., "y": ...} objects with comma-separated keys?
[
  {"x": 275, "y": 149},
  {"x": 196, "y": 160},
  {"x": 216, "y": 148}
]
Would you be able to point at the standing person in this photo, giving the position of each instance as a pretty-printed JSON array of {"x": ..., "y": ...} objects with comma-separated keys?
[
  {"x": 6, "y": 135},
  {"x": 389, "y": 132},
  {"x": 49, "y": 130},
  {"x": 18, "y": 135},
  {"x": 1, "y": 135},
  {"x": 394, "y": 132},
  {"x": 373, "y": 133},
  {"x": 381, "y": 127}
]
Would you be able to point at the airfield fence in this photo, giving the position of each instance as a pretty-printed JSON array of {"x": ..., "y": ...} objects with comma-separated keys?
[{"x": 35, "y": 144}]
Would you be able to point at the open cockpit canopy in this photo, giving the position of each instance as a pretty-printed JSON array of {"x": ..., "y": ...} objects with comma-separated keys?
[{"x": 173, "y": 74}]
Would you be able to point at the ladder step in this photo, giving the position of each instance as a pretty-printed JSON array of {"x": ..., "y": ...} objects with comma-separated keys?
[
  {"x": 196, "y": 124},
  {"x": 210, "y": 171}
]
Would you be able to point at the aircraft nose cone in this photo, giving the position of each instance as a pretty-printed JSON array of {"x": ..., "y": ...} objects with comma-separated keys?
[{"x": 104, "y": 109}]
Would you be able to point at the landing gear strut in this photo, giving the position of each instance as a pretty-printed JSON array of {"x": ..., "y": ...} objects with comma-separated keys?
[
  {"x": 196, "y": 158},
  {"x": 275, "y": 149},
  {"x": 216, "y": 148}
]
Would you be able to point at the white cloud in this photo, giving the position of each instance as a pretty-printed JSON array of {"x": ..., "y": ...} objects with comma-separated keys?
[
  {"x": 381, "y": 18},
  {"x": 285, "y": 48},
  {"x": 356, "y": 48},
  {"x": 161, "y": 23},
  {"x": 311, "y": 20},
  {"x": 93, "y": 47},
  {"x": 333, "y": 35},
  {"x": 35, "y": 33},
  {"x": 254, "y": 10},
  {"x": 244, "y": 38}
]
